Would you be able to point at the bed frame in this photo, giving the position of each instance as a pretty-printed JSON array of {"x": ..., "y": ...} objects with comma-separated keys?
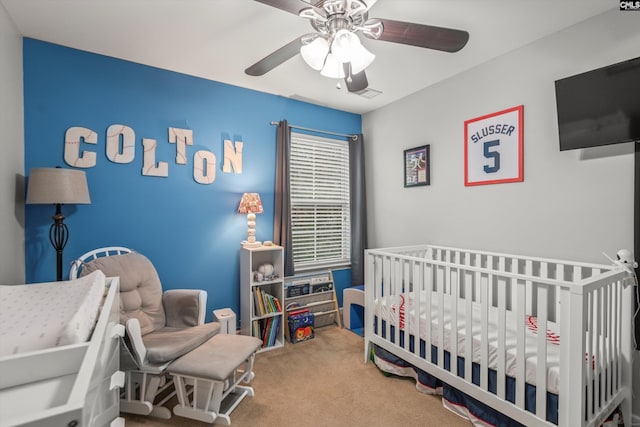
[
  {"x": 70, "y": 385},
  {"x": 590, "y": 304}
]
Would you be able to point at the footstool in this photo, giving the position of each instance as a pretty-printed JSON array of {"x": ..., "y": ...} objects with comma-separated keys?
[{"x": 214, "y": 371}]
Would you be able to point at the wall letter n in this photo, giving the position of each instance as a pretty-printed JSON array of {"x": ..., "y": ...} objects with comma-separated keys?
[{"x": 232, "y": 157}]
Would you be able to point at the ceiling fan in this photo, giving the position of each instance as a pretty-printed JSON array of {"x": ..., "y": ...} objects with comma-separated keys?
[{"x": 335, "y": 49}]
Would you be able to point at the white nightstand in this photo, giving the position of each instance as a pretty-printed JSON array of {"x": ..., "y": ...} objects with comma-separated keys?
[{"x": 227, "y": 319}]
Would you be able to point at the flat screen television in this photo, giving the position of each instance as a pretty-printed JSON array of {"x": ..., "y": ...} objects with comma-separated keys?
[{"x": 599, "y": 107}]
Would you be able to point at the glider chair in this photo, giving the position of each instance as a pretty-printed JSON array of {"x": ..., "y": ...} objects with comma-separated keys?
[{"x": 160, "y": 326}]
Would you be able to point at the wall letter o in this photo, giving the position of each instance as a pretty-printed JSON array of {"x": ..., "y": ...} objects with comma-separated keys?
[{"x": 204, "y": 167}]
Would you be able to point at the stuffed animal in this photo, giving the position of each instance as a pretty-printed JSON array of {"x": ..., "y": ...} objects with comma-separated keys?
[
  {"x": 257, "y": 277},
  {"x": 267, "y": 271}
]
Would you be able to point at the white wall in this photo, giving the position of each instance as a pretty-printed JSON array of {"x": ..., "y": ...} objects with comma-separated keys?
[
  {"x": 569, "y": 206},
  {"x": 572, "y": 205},
  {"x": 12, "y": 267}
]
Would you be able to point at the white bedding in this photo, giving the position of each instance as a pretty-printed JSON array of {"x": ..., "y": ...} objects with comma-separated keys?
[
  {"x": 406, "y": 315},
  {"x": 44, "y": 315}
]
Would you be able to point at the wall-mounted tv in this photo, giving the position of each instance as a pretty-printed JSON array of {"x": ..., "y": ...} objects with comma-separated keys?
[{"x": 599, "y": 107}]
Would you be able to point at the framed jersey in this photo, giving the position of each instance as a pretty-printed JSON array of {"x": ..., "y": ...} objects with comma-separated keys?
[{"x": 493, "y": 148}]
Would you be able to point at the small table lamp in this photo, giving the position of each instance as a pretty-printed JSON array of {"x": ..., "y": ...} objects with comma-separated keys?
[
  {"x": 250, "y": 204},
  {"x": 58, "y": 186}
]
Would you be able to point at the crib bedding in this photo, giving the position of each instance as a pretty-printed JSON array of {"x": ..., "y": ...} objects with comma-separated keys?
[
  {"x": 44, "y": 315},
  {"x": 401, "y": 309},
  {"x": 455, "y": 400}
]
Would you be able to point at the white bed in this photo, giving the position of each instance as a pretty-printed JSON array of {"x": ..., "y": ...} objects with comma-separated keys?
[
  {"x": 59, "y": 353},
  {"x": 416, "y": 296}
]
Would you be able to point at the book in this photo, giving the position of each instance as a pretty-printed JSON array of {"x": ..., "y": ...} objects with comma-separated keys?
[
  {"x": 273, "y": 332},
  {"x": 256, "y": 303},
  {"x": 256, "y": 329},
  {"x": 268, "y": 302},
  {"x": 260, "y": 300},
  {"x": 278, "y": 306},
  {"x": 265, "y": 335}
]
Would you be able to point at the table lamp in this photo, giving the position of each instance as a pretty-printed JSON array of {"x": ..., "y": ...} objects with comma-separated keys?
[
  {"x": 250, "y": 204},
  {"x": 58, "y": 186}
]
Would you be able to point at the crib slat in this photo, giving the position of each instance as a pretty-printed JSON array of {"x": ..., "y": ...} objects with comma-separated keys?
[
  {"x": 541, "y": 344},
  {"x": 501, "y": 321},
  {"x": 395, "y": 292},
  {"x": 605, "y": 342},
  {"x": 528, "y": 268},
  {"x": 484, "y": 330},
  {"x": 468, "y": 343},
  {"x": 386, "y": 291},
  {"x": 615, "y": 308},
  {"x": 453, "y": 329},
  {"x": 597, "y": 351},
  {"x": 589, "y": 352},
  {"x": 429, "y": 279},
  {"x": 440, "y": 283},
  {"x": 520, "y": 314},
  {"x": 418, "y": 283}
]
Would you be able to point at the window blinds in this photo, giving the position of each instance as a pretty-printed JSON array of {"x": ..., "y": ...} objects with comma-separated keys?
[{"x": 319, "y": 183}]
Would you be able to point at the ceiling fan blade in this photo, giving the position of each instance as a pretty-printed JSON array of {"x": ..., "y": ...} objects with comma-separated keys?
[
  {"x": 427, "y": 36},
  {"x": 370, "y": 3},
  {"x": 355, "y": 82},
  {"x": 276, "y": 58},
  {"x": 291, "y": 6}
]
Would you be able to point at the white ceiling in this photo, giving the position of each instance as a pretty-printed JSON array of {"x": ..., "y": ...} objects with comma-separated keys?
[{"x": 218, "y": 39}]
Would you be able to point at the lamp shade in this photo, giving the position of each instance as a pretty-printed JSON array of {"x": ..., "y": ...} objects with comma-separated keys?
[
  {"x": 250, "y": 203},
  {"x": 315, "y": 53},
  {"x": 57, "y": 186},
  {"x": 333, "y": 68},
  {"x": 361, "y": 59},
  {"x": 344, "y": 45}
]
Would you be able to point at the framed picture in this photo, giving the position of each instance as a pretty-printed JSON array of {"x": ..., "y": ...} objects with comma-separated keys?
[
  {"x": 416, "y": 166},
  {"x": 493, "y": 148}
]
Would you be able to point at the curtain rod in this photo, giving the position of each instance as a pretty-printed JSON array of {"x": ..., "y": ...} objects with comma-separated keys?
[{"x": 320, "y": 131}]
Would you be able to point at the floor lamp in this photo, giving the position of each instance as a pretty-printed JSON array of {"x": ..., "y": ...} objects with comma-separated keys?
[{"x": 58, "y": 186}]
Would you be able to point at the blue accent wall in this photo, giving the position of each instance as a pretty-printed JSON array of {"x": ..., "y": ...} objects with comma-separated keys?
[{"x": 190, "y": 231}]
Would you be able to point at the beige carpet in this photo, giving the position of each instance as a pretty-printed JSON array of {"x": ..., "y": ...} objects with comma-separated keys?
[{"x": 325, "y": 382}]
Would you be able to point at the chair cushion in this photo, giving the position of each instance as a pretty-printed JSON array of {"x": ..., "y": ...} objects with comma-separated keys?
[
  {"x": 166, "y": 344},
  {"x": 217, "y": 358},
  {"x": 140, "y": 288}
]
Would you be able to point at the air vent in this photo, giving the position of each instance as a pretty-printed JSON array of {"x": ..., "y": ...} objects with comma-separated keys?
[{"x": 368, "y": 93}]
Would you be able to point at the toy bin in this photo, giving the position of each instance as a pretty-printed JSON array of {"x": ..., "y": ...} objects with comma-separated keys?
[{"x": 301, "y": 326}]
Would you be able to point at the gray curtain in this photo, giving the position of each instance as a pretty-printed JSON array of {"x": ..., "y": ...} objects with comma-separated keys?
[
  {"x": 358, "y": 209},
  {"x": 282, "y": 217}
]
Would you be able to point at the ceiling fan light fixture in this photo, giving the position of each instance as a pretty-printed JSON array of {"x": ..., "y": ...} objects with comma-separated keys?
[
  {"x": 315, "y": 53},
  {"x": 344, "y": 45},
  {"x": 333, "y": 68},
  {"x": 361, "y": 59}
]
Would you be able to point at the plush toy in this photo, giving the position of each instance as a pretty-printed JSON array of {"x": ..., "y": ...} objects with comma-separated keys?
[
  {"x": 267, "y": 271},
  {"x": 257, "y": 277}
]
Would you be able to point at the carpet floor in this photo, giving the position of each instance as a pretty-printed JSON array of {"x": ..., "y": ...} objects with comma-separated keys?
[{"x": 325, "y": 382}]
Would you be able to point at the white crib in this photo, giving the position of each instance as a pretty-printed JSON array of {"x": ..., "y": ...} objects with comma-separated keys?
[
  {"x": 72, "y": 381},
  {"x": 497, "y": 303}
]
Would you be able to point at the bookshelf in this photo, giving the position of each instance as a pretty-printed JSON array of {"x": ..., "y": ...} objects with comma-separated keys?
[
  {"x": 314, "y": 291},
  {"x": 261, "y": 298}
]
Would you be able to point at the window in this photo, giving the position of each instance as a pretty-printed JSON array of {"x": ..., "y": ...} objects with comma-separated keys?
[{"x": 319, "y": 182}]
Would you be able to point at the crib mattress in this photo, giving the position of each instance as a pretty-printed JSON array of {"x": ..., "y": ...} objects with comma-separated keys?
[
  {"x": 43, "y": 315},
  {"x": 401, "y": 309}
]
